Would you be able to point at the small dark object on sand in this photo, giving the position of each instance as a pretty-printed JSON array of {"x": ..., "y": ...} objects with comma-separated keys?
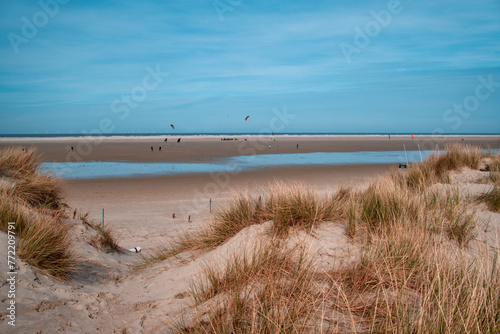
[
  {"x": 173, "y": 216},
  {"x": 402, "y": 166},
  {"x": 179, "y": 140}
]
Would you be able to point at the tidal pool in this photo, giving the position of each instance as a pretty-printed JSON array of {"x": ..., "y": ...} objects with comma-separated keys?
[{"x": 105, "y": 169}]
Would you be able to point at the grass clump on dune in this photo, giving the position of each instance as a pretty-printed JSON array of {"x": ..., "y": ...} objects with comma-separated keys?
[
  {"x": 492, "y": 199},
  {"x": 21, "y": 167},
  {"x": 294, "y": 206},
  {"x": 269, "y": 290},
  {"x": 104, "y": 239},
  {"x": 34, "y": 202},
  {"x": 384, "y": 204},
  {"x": 407, "y": 283},
  {"x": 436, "y": 168},
  {"x": 455, "y": 157},
  {"x": 44, "y": 244},
  {"x": 40, "y": 190},
  {"x": 493, "y": 167},
  {"x": 42, "y": 238},
  {"x": 17, "y": 161}
]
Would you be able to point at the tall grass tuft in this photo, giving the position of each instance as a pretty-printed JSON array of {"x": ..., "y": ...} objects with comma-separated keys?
[
  {"x": 407, "y": 282},
  {"x": 436, "y": 168},
  {"x": 40, "y": 190},
  {"x": 293, "y": 206},
  {"x": 455, "y": 157},
  {"x": 44, "y": 245},
  {"x": 104, "y": 239},
  {"x": 42, "y": 238},
  {"x": 33, "y": 201},
  {"x": 492, "y": 199},
  {"x": 21, "y": 166},
  {"x": 270, "y": 290},
  {"x": 17, "y": 161}
]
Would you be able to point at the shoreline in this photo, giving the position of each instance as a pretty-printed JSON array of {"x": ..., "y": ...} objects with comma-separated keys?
[
  {"x": 235, "y": 135},
  {"x": 198, "y": 149}
]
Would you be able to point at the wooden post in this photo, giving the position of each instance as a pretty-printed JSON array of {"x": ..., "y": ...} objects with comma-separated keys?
[{"x": 406, "y": 155}]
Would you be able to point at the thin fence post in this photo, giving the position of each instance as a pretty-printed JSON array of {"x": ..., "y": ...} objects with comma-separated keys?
[{"x": 404, "y": 146}]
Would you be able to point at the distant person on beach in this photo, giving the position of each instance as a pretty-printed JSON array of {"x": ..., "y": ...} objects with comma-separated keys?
[
  {"x": 297, "y": 146},
  {"x": 159, "y": 148},
  {"x": 151, "y": 148}
]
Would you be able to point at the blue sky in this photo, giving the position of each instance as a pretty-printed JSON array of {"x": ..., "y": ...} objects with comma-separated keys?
[{"x": 333, "y": 66}]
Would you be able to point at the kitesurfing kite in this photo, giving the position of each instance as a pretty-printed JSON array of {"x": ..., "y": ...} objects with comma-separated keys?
[
  {"x": 173, "y": 127},
  {"x": 246, "y": 118}
]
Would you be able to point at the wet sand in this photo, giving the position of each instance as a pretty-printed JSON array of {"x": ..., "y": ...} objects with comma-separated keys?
[{"x": 192, "y": 149}]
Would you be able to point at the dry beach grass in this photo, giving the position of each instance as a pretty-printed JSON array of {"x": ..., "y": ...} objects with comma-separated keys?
[
  {"x": 412, "y": 274},
  {"x": 34, "y": 202}
]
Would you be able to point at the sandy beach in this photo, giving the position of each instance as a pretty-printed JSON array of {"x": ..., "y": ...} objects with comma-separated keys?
[{"x": 194, "y": 148}]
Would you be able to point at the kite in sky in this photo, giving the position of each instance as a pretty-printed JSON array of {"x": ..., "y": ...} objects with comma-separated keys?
[
  {"x": 246, "y": 118},
  {"x": 173, "y": 127}
]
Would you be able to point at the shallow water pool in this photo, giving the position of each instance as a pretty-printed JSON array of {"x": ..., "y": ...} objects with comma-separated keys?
[{"x": 104, "y": 169}]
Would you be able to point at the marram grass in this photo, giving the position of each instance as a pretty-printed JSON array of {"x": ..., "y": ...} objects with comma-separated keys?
[
  {"x": 413, "y": 276},
  {"x": 34, "y": 202}
]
